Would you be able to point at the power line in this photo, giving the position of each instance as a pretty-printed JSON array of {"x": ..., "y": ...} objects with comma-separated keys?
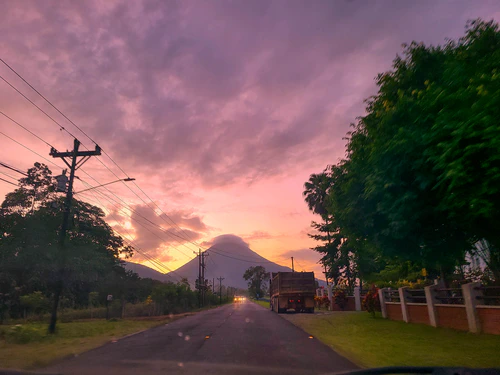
[
  {"x": 63, "y": 128},
  {"x": 48, "y": 101},
  {"x": 243, "y": 260},
  {"x": 8, "y": 181},
  {"x": 41, "y": 139},
  {"x": 125, "y": 205},
  {"x": 29, "y": 149},
  {"x": 8, "y": 175},
  {"x": 121, "y": 169},
  {"x": 29, "y": 131},
  {"x": 13, "y": 168},
  {"x": 33, "y": 103},
  {"x": 117, "y": 206},
  {"x": 137, "y": 248},
  {"x": 38, "y": 137}
]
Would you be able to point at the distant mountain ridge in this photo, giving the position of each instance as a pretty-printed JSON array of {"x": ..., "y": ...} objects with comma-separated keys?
[{"x": 228, "y": 257}]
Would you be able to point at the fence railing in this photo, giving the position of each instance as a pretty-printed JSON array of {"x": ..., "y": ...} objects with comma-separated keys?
[
  {"x": 471, "y": 307},
  {"x": 489, "y": 295}
]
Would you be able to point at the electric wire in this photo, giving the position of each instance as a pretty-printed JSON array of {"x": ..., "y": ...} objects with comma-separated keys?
[
  {"x": 5, "y": 165},
  {"x": 153, "y": 260},
  {"x": 4, "y": 180},
  {"x": 121, "y": 169}
]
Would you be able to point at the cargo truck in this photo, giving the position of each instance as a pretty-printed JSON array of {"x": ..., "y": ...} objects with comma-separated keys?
[{"x": 292, "y": 290}]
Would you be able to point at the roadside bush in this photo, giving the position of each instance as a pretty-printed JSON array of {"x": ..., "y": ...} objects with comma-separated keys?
[
  {"x": 340, "y": 298},
  {"x": 371, "y": 302},
  {"x": 325, "y": 302},
  {"x": 318, "y": 302},
  {"x": 418, "y": 284},
  {"x": 23, "y": 334},
  {"x": 35, "y": 303}
]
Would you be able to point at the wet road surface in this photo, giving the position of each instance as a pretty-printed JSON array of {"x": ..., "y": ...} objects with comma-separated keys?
[{"x": 242, "y": 338}]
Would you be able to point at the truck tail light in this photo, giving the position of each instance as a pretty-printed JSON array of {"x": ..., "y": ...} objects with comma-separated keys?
[
  {"x": 290, "y": 300},
  {"x": 298, "y": 300}
]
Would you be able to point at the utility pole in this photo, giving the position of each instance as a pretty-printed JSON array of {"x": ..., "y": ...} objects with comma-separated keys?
[
  {"x": 293, "y": 270},
  {"x": 213, "y": 285},
  {"x": 326, "y": 275},
  {"x": 198, "y": 286},
  {"x": 203, "y": 285},
  {"x": 73, "y": 164},
  {"x": 220, "y": 289}
]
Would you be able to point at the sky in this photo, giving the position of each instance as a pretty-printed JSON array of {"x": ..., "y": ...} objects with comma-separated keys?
[{"x": 219, "y": 109}]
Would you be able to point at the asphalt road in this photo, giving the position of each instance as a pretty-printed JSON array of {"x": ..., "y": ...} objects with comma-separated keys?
[{"x": 235, "y": 339}]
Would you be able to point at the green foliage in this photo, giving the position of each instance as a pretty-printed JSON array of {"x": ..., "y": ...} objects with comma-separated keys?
[
  {"x": 340, "y": 298},
  {"x": 23, "y": 334},
  {"x": 32, "y": 261},
  {"x": 35, "y": 302},
  {"x": 30, "y": 218},
  {"x": 173, "y": 298},
  {"x": 256, "y": 276},
  {"x": 371, "y": 301},
  {"x": 420, "y": 181}
]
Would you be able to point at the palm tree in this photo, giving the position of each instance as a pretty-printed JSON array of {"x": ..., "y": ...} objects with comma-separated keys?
[{"x": 315, "y": 193}]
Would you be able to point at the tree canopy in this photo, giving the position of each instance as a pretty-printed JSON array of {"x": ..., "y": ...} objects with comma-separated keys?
[
  {"x": 420, "y": 180},
  {"x": 30, "y": 219}
]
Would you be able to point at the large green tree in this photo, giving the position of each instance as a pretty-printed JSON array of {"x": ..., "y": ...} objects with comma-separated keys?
[
  {"x": 256, "y": 276},
  {"x": 420, "y": 181},
  {"x": 31, "y": 219}
]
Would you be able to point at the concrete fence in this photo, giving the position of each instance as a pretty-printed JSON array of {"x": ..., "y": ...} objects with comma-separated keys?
[
  {"x": 469, "y": 308},
  {"x": 354, "y": 302}
]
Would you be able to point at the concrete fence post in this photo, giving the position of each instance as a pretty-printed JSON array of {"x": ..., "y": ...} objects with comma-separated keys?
[
  {"x": 357, "y": 298},
  {"x": 431, "y": 300},
  {"x": 404, "y": 306},
  {"x": 470, "y": 292},
  {"x": 381, "y": 298},
  {"x": 330, "y": 297}
]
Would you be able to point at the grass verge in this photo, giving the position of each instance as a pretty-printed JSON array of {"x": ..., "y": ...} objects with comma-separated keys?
[
  {"x": 377, "y": 342},
  {"x": 28, "y": 346},
  {"x": 262, "y": 303}
]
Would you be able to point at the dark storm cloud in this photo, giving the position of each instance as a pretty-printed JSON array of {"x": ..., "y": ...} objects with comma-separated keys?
[{"x": 217, "y": 91}]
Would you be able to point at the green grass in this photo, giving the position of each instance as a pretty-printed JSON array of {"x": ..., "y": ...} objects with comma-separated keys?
[
  {"x": 376, "y": 342},
  {"x": 262, "y": 303},
  {"x": 29, "y": 346}
]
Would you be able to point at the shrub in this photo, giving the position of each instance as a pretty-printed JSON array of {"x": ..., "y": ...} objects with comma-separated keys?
[
  {"x": 23, "y": 334},
  {"x": 36, "y": 303},
  {"x": 325, "y": 302},
  {"x": 340, "y": 298},
  {"x": 371, "y": 302},
  {"x": 318, "y": 301}
]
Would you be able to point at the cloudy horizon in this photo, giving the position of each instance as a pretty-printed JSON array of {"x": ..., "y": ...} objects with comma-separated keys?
[{"x": 220, "y": 109}]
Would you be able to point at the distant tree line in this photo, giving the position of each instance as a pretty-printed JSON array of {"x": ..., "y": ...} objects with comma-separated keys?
[{"x": 418, "y": 192}]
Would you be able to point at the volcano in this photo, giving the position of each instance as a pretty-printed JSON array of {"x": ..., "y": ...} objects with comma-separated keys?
[{"x": 228, "y": 257}]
